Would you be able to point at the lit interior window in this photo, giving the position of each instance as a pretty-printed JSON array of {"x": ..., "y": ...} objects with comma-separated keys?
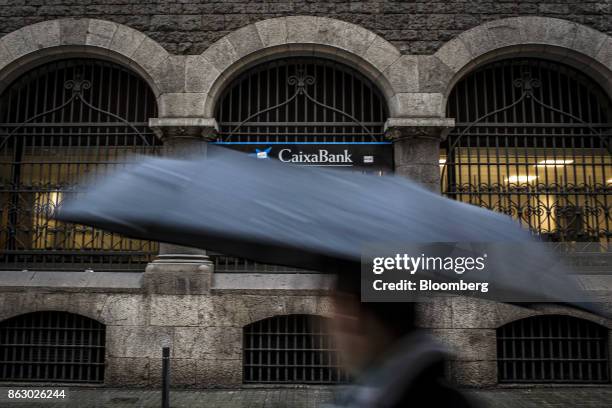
[
  {"x": 521, "y": 179},
  {"x": 554, "y": 163}
]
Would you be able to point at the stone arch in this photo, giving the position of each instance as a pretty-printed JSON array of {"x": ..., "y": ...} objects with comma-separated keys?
[
  {"x": 356, "y": 46},
  {"x": 583, "y": 48},
  {"x": 72, "y": 311},
  {"x": 84, "y": 37},
  {"x": 65, "y": 307},
  {"x": 273, "y": 316},
  {"x": 257, "y": 309},
  {"x": 552, "y": 310},
  {"x": 108, "y": 309}
]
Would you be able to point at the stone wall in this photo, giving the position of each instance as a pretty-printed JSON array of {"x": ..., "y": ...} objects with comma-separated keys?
[
  {"x": 190, "y": 26},
  {"x": 468, "y": 328},
  {"x": 204, "y": 332}
]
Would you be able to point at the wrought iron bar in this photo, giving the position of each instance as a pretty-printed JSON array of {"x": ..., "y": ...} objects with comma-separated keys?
[
  {"x": 298, "y": 99},
  {"x": 291, "y": 349},
  {"x": 533, "y": 141},
  {"x": 552, "y": 349},
  {"x": 62, "y": 122},
  {"x": 52, "y": 347}
]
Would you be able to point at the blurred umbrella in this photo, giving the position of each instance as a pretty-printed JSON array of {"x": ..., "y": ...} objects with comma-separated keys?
[{"x": 304, "y": 217}]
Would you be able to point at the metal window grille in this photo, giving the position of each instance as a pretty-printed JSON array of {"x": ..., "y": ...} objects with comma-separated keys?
[
  {"x": 298, "y": 100},
  {"x": 229, "y": 264},
  {"x": 61, "y": 123},
  {"x": 533, "y": 141},
  {"x": 301, "y": 99},
  {"x": 291, "y": 349},
  {"x": 52, "y": 347},
  {"x": 552, "y": 349}
]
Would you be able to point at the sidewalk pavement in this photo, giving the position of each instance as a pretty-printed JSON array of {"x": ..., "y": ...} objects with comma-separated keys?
[{"x": 302, "y": 397}]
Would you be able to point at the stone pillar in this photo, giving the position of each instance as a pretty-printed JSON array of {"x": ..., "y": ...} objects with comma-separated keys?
[
  {"x": 179, "y": 270},
  {"x": 416, "y": 154},
  {"x": 416, "y": 147}
]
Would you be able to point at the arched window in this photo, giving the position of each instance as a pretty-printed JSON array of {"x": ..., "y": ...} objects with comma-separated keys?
[
  {"x": 291, "y": 349},
  {"x": 553, "y": 349},
  {"x": 60, "y": 123},
  {"x": 292, "y": 100},
  {"x": 533, "y": 140},
  {"x": 303, "y": 106},
  {"x": 52, "y": 347}
]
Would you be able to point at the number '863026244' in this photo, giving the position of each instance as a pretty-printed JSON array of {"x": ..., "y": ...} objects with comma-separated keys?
[{"x": 35, "y": 393}]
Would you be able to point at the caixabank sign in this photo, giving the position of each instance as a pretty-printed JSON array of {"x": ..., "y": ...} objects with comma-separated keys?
[{"x": 375, "y": 157}]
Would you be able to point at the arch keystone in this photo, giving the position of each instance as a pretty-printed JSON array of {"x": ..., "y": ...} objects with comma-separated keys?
[
  {"x": 303, "y": 29},
  {"x": 73, "y": 31}
]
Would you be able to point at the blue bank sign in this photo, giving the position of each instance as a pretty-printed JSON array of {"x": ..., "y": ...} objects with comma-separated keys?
[{"x": 375, "y": 157}]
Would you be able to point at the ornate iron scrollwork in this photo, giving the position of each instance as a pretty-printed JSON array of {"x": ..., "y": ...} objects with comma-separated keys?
[
  {"x": 77, "y": 86},
  {"x": 301, "y": 80},
  {"x": 54, "y": 132},
  {"x": 532, "y": 141},
  {"x": 324, "y": 97},
  {"x": 527, "y": 84}
]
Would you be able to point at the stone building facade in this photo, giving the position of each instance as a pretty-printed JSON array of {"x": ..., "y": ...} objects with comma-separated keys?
[
  {"x": 414, "y": 55},
  {"x": 189, "y": 27}
]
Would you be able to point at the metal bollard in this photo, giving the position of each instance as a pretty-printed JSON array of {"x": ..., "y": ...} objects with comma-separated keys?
[{"x": 166, "y": 377}]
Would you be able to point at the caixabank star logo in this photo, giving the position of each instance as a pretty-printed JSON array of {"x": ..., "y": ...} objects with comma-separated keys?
[{"x": 262, "y": 153}]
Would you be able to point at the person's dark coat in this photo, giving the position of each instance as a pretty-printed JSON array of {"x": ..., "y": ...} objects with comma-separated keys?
[{"x": 410, "y": 375}]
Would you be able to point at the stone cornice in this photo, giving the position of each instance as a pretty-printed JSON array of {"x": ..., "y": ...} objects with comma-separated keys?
[
  {"x": 434, "y": 128},
  {"x": 189, "y": 128}
]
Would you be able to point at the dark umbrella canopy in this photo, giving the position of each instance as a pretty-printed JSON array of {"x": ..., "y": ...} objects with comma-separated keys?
[{"x": 304, "y": 217}]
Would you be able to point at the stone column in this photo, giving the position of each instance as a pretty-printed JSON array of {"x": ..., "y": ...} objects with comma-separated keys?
[
  {"x": 177, "y": 269},
  {"x": 416, "y": 153},
  {"x": 416, "y": 147}
]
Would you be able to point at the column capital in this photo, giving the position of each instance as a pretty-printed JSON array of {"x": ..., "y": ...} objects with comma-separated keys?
[
  {"x": 203, "y": 129},
  {"x": 421, "y": 128}
]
